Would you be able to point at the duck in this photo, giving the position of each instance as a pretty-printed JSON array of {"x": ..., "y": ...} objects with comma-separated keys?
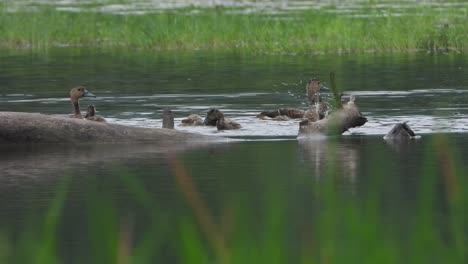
[
  {"x": 276, "y": 118},
  {"x": 316, "y": 104},
  {"x": 317, "y": 108},
  {"x": 214, "y": 117},
  {"x": 227, "y": 124},
  {"x": 282, "y": 114},
  {"x": 91, "y": 115},
  {"x": 75, "y": 94},
  {"x": 192, "y": 120}
]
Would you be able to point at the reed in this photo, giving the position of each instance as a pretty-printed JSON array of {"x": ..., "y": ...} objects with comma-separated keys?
[{"x": 305, "y": 32}]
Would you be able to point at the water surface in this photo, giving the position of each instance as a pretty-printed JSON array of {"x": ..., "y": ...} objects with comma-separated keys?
[{"x": 429, "y": 91}]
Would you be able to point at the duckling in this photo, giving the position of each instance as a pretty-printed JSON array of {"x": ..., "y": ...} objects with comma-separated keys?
[
  {"x": 214, "y": 117},
  {"x": 75, "y": 94},
  {"x": 91, "y": 115},
  {"x": 192, "y": 120}
]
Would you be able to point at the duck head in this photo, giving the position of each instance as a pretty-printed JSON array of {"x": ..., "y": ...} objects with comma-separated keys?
[
  {"x": 313, "y": 88},
  {"x": 212, "y": 116},
  {"x": 78, "y": 92},
  {"x": 75, "y": 94}
]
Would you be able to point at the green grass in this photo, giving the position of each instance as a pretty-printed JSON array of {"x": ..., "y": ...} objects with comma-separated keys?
[{"x": 309, "y": 32}]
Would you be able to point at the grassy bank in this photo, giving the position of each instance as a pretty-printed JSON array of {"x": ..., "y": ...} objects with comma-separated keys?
[{"x": 304, "y": 32}]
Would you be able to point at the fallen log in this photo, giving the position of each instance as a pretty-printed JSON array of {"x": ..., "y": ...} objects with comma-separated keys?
[
  {"x": 335, "y": 123},
  {"x": 345, "y": 117},
  {"x": 16, "y": 127}
]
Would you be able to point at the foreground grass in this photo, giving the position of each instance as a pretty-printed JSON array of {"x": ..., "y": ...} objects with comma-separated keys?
[
  {"x": 306, "y": 32},
  {"x": 332, "y": 228}
]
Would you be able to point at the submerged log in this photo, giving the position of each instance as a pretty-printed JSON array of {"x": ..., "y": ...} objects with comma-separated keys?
[
  {"x": 400, "y": 131},
  {"x": 336, "y": 123},
  {"x": 18, "y": 127}
]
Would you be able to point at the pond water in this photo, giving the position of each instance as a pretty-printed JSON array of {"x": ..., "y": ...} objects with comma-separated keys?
[{"x": 429, "y": 91}]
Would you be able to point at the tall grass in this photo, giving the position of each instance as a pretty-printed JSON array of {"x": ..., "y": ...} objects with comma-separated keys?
[
  {"x": 342, "y": 230},
  {"x": 214, "y": 29}
]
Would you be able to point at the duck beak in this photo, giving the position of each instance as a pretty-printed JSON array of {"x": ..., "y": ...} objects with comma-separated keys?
[{"x": 88, "y": 94}]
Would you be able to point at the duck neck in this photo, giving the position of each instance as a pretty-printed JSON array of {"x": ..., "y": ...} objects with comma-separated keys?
[
  {"x": 314, "y": 99},
  {"x": 76, "y": 108}
]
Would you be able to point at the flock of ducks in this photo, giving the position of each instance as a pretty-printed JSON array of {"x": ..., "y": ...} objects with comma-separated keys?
[
  {"x": 214, "y": 117},
  {"x": 317, "y": 110}
]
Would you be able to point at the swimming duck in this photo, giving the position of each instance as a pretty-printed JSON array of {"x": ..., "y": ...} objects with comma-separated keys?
[
  {"x": 192, "y": 120},
  {"x": 282, "y": 114},
  {"x": 214, "y": 117},
  {"x": 75, "y": 94},
  {"x": 317, "y": 105},
  {"x": 91, "y": 115},
  {"x": 276, "y": 118},
  {"x": 317, "y": 109},
  {"x": 226, "y": 124}
]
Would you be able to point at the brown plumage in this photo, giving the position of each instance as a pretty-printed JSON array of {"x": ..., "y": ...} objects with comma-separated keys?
[
  {"x": 91, "y": 115},
  {"x": 192, "y": 120},
  {"x": 75, "y": 94},
  {"x": 317, "y": 108},
  {"x": 214, "y": 117},
  {"x": 289, "y": 112},
  {"x": 227, "y": 124},
  {"x": 316, "y": 103}
]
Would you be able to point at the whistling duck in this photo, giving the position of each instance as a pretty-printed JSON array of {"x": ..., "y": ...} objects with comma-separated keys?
[{"x": 75, "y": 94}]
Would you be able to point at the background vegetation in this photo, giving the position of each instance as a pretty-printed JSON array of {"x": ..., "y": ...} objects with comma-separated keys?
[{"x": 218, "y": 29}]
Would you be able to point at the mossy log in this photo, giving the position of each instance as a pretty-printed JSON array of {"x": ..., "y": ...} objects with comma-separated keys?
[{"x": 18, "y": 127}]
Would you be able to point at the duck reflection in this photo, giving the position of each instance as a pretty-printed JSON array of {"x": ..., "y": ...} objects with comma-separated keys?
[{"x": 340, "y": 154}]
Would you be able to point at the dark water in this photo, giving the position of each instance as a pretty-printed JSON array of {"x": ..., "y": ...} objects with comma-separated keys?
[{"x": 430, "y": 91}]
